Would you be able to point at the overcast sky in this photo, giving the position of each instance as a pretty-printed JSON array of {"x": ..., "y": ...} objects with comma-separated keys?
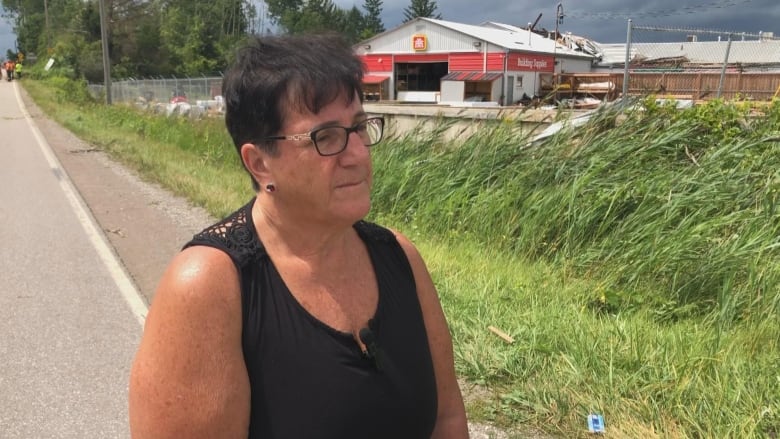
[
  {"x": 601, "y": 20},
  {"x": 7, "y": 37}
]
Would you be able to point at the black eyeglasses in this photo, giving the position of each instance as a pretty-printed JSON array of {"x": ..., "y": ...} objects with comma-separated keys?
[{"x": 332, "y": 140}]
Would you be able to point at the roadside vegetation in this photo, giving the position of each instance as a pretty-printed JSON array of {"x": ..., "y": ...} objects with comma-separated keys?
[
  {"x": 633, "y": 262},
  {"x": 153, "y": 39}
]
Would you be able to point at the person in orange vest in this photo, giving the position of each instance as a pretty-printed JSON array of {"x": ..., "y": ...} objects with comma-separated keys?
[{"x": 9, "y": 69}]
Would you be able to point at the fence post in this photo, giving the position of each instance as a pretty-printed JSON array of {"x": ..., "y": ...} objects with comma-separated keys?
[
  {"x": 697, "y": 95},
  {"x": 723, "y": 69},
  {"x": 626, "y": 75}
]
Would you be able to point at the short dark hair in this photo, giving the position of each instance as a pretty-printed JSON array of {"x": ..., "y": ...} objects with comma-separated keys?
[{"x": 275, "y": 75}]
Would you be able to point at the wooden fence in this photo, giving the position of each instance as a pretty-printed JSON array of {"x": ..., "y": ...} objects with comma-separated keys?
[
  {"x": 704, "y": 85},
  {"x": 696, "y": 85}
]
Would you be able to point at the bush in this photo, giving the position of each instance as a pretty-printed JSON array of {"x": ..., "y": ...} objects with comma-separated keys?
[{"x": 70, "y": 90}]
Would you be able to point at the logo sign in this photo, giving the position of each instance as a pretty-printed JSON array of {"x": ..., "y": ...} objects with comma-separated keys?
[{"x": 419, "y": 42}]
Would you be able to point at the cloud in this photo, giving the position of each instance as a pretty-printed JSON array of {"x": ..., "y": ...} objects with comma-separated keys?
[{"x": 602, "y": 20}]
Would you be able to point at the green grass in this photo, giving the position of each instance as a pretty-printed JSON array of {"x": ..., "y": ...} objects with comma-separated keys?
[
  {"x": 634, "y": 261},
  {"x": 197, "y": 161},
  {"x": 682, "y": 379}
]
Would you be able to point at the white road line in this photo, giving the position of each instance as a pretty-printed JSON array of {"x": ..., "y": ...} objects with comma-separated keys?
[{"x": 88, "y": 222}]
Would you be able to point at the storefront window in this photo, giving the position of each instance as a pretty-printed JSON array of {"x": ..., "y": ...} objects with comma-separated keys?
[{"x": 419, "y": 76}]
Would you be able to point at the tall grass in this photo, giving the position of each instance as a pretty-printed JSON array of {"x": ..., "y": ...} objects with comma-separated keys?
[
  {"x": 633, "y": 260},
  {"x": 671, "y": 379},
  {"x": 662, "y": 307},
  {"x": 649, "y": 201}
]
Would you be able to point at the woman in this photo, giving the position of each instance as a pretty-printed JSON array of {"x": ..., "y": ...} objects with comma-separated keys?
[{"x": 293, "y": 317}]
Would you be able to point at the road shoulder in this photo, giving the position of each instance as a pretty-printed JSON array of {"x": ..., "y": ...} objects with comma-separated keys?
[{"x": 145, "y": 224}]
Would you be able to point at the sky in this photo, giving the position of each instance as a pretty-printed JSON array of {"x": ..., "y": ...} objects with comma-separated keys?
[
  {"x": 603, "y": 21},
  {"x": 7, "y": 37}
]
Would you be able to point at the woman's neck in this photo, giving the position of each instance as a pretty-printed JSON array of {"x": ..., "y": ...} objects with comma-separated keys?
[{"x": 299, "y": 238}]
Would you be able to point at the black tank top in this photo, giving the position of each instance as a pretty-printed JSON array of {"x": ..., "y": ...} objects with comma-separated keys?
[{"x": 309, "y": 380}]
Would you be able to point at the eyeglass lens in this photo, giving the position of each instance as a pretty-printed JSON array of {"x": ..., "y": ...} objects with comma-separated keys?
[{"x": 333, "y": 140}]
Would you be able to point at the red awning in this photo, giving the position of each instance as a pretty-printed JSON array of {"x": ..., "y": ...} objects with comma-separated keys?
[
  {"x": 374, "y": 79},
  {"x": 472, "y": 76}
]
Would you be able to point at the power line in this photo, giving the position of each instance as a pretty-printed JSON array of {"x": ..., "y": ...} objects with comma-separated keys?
[{"x": 684, "y": 10}]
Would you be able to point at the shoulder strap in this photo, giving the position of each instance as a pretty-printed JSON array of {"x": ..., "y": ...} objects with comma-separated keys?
[
  {"x": 374, "y": 232},
  {"x": 234, "y": 235}
]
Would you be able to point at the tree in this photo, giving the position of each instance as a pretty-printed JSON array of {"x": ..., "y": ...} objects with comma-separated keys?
[
  {"x": 199, "y": 35},
  {"x": 421, "y": 8},
  {"x": 37, "y": 24},
  {"x": 145, "y": 37},
  {"x": 372, "y": 21},
  {"x": 312, "y": 16},
  {"x": 302, "y": 16},
  {"x": 352, "y": 24},
  {"x": 278, "y": 9}
]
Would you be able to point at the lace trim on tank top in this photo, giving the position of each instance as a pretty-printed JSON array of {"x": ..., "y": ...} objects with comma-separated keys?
[
  {"x": 374, "y": 232},
  {"x": 235, "y": 235}
]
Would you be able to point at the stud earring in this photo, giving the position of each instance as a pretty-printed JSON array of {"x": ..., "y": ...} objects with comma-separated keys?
[{"x": 270, "y": 187}]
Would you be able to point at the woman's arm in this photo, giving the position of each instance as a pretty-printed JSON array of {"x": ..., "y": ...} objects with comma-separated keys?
[
  {"x": 189, "y": 378},
  {"x": 451, "y": 418}
]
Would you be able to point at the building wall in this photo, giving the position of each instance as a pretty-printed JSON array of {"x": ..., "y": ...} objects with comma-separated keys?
[
  {"x": 570, "y": 65},
  {"x": 523, "y": 83},
  {"x": 421, "y": 57},
  {"x": 378, "y": 63},
  {"x": 440, "y": 39},
  {"x": 476, "y": 62},
  {"x": 462, "y": 53}
]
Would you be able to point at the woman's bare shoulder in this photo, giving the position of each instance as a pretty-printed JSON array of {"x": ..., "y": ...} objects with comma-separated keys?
[
  {"x": 189, "y": 375},
  {"x": 199, "y": 270}
]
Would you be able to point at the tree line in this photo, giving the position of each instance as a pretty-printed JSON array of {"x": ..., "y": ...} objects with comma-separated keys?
[{"x": 151, "y": 38}]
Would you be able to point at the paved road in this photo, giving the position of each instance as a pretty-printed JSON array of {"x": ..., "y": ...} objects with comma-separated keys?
[{"x": 70, "y": 316}]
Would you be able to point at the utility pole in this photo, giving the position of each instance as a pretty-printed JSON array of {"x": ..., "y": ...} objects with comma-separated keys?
[
  {"x": 106, "y": 59},
  {"x": 558, "y": 20},
  {"x": 46, "y": 22}
]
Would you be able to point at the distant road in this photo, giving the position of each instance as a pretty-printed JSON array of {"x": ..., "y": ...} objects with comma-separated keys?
[{"x": 71, "y": 317}]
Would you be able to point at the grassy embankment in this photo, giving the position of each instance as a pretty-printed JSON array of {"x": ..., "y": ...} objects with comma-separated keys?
[{"x": 635, "y": 263}]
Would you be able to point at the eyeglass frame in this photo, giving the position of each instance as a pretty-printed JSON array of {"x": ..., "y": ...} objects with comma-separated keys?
[{"x": 349, "y": 130}]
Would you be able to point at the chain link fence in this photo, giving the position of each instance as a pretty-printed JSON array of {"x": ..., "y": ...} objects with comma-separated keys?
[
  {"x": 699, "y": 64},
  {"x": 182, "y": 95}
]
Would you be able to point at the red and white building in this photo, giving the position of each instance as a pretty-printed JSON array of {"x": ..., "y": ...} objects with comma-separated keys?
[{"x": 427, "y": 60}]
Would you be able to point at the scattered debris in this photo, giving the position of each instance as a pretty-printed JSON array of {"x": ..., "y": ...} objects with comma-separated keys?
[
  {"x": 504, "y": 336},
  {"x": 118, "y": 232},
  {"x": 595, "y": 423},
  {"x": 83, "y": 150}
]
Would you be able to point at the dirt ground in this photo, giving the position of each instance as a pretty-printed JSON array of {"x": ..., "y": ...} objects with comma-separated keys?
[{"x": 147, "y": 225}]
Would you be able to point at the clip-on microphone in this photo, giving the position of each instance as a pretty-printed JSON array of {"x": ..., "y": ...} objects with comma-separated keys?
[{"x": 372, "y": 351}]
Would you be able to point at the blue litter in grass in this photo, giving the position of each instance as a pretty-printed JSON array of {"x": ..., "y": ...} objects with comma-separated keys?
[{"x": 595, "y": 423}]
